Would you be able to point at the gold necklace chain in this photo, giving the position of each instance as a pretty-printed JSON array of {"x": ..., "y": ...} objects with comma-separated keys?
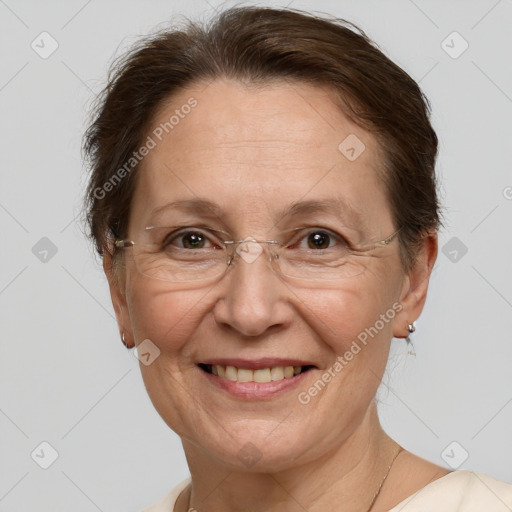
[
  {"x": 374, "y": 496},
  {"x": 384, "y": 479}
]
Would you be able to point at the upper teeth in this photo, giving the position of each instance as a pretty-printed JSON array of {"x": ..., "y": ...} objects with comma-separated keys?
[{"x": 261, "y": 375}]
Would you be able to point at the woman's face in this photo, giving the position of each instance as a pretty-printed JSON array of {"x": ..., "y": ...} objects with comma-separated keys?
[{"x": 253, "y": 154}]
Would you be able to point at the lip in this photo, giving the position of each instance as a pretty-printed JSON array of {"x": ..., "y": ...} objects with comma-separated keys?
[
  {"x": 256, "y": 390},
  {"x": 258, "y": 364}
]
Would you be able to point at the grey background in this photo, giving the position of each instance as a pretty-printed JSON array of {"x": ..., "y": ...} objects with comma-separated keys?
[{"x": 65, "y": 377}]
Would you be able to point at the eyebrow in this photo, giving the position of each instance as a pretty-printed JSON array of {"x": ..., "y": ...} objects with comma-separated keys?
[
  {"x": 194, "y": 206},
  {"x": 207, "y": 208},
  {"x": 336, "y": 207}
]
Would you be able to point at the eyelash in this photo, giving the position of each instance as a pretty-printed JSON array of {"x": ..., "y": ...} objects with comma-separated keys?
[{"x": 301, "y": 234}]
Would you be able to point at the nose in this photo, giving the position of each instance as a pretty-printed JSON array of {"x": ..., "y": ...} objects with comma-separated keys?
[{"x": 253, "y": 300}]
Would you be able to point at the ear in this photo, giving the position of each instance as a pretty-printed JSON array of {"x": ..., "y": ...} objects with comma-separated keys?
[
  {"x": 415, "y": 286},
  {"x": 116, "y": 283}
]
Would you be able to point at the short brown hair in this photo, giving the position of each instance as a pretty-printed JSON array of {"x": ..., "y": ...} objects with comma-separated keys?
[{"x": 257, "y": 45}]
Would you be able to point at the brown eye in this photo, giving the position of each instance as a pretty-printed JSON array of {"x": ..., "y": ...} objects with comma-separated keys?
[
  {"x": 187, "y": 240},
  {"x": 318, "y": 240},
  {"x": 193, "y": 240}
]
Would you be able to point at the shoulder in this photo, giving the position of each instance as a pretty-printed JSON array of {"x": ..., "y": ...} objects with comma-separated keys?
[
  {"x": 460, "y": 491},
  {"x": 166, "y": 503}
]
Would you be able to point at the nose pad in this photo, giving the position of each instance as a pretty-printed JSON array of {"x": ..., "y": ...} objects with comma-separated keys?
[{"x": 250, "y": 249}]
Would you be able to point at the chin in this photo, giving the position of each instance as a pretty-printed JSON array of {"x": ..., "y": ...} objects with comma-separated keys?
[{"x": 256, "y": 449}]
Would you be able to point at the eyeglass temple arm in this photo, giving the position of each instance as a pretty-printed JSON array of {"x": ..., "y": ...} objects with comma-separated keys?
[
  {"x": 120, "y": 244},
  {"x": 389, "y": 239}
]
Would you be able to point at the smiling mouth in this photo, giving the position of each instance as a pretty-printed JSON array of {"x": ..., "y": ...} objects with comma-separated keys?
[{"x": 273, "y": 374}]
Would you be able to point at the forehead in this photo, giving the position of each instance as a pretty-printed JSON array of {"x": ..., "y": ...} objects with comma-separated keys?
[{"x": 254, "y": 150}]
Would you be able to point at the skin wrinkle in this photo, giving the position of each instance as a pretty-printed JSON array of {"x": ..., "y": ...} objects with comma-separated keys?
[{"x": 332, "y": 450}]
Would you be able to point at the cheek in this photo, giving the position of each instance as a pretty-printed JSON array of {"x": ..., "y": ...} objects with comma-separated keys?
[
  {"x": 360, "y": 313},
  {"x": 167, "y": 318}
]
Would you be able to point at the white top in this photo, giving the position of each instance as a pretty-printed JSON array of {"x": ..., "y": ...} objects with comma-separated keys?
[{"x": 458, "y": 491}]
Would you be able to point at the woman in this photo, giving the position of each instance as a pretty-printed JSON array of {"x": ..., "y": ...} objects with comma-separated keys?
[{"x": 264, "y": 199}]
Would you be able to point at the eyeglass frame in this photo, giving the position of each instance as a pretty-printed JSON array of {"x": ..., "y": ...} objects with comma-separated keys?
[{"x": 126, "y": 243}]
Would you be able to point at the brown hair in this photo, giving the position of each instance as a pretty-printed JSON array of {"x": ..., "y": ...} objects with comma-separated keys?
[{"x": 256, "y": 45}]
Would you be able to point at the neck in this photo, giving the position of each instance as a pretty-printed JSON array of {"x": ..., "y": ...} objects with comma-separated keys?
[{"x": 348, "y": 475}]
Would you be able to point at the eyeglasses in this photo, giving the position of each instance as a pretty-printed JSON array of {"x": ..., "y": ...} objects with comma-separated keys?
[{"x": 185, "y": 254}]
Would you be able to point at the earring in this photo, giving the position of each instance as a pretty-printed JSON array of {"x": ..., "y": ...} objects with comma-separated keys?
[
  {"x": 124, "y": 341},
  {"x": 411, "y": 328}
]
